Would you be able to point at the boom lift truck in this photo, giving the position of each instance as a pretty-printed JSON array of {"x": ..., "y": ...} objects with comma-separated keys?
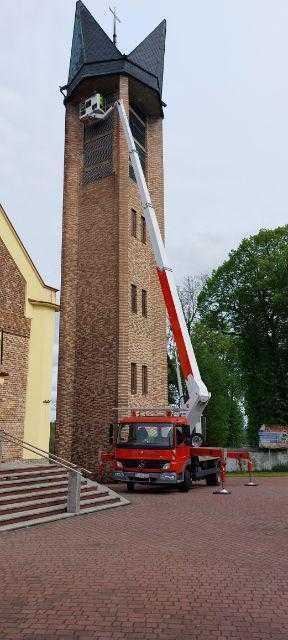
[{"x": 149, "y": 448}]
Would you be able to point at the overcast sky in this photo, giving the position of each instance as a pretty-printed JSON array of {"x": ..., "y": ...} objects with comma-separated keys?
[{"x": 226, "y": 134}]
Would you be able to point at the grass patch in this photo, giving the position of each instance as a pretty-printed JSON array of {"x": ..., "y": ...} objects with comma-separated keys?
[{"x": 259, "y": 474}]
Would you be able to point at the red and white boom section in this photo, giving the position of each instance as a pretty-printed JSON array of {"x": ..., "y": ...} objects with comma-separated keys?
[{"x": 197, "y": 391}]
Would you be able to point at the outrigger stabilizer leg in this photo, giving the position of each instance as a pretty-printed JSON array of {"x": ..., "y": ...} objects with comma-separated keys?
[
  {"x": 222, "y": 489},
  {"x": 251, "y": 482}
]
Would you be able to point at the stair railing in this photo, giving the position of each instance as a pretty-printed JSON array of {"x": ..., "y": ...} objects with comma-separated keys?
[{"x": 75, "y": 472}]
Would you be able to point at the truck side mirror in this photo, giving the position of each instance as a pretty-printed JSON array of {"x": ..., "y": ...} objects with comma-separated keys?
[{"x": 111, "y": 433}]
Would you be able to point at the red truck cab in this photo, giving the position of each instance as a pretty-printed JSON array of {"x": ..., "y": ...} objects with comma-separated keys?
[{"x": 157, "y": 450}]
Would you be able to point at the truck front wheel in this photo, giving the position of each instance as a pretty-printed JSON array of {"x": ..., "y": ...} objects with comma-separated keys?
[
  {"x": 130, "y": 486},
  {"x": 187, "y": 482}
]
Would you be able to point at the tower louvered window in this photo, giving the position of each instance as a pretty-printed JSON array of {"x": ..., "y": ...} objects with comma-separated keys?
[
  {"x": 138, "y": 128},
  {"x": 98, "y": 148}
]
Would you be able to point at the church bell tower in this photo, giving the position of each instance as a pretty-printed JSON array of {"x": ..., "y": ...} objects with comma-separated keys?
[{"x": 112, "y": 352}]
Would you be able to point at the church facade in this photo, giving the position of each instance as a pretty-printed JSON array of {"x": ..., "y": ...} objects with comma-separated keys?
[
  {"x": 27, "y": 325},
  {"x": 112, "y": 351}
]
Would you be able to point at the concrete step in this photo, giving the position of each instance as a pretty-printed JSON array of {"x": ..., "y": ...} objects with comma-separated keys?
[
  {"x": 39, "y": 511},
  {"x": 18, "y": 507},
  {"x": 101, "y": 499},
  {"x": 27, "y": 486},
  {"x": 51, "y": 479},
  {"x": 31, "y": 474},
  {"x": 60, "y": 516},
  {"x": 23, "y": 505},
  {"x": 42, "y": 493},
  {"x": 29, "y": 470},
  {"x": 31, "y": 495},
  {"x": 30, "y": 513}
]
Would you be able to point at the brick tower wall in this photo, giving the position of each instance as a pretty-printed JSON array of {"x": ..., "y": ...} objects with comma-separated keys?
[{"x": 99, "y": 335}]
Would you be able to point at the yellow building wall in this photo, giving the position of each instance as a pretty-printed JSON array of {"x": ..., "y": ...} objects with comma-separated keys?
[
  {"x": 40, "y": 308},
  {"x": 37, "y": 414}
]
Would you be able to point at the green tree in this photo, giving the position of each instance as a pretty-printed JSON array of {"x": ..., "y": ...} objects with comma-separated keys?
[
  {"x": 236, "y": 434},
  {"x": 188, "y": 293},
  {"x": 246, "y": 298},
  {"x": 217, "y": 359}
]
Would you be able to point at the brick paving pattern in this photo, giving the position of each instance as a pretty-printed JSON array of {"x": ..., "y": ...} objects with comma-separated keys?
[{"x": 169, "y": 566}]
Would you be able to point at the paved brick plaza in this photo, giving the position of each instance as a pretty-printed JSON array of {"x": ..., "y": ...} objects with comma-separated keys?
[{"x": 168, "y": 566}]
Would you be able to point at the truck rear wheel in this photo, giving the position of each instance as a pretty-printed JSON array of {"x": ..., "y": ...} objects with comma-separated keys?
[
  {"x": 130, "y": 486},
  {"x": 187, "y": 482}
]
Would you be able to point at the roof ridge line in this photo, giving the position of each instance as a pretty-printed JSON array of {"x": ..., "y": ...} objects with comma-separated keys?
[
  {"x": 148, "y": 34},
  {"x": 25, "y": 251},
  {"x": 81, "y": 29},
  {"x": 98, "y": 25}
]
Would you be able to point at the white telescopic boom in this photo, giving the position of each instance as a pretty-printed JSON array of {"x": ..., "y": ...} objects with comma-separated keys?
[{"x": 198, "y": 393}]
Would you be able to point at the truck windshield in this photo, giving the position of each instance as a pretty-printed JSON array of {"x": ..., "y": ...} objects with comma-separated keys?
[{"x": 145, "y": 436}]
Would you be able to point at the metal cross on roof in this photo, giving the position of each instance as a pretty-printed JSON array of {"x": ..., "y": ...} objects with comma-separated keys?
[{"x": 115, "y": 20}]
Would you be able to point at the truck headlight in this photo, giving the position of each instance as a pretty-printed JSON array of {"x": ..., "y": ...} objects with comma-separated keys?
[
  {"x": 166, "y": 466},
  {"x": 119, "y": 465}
]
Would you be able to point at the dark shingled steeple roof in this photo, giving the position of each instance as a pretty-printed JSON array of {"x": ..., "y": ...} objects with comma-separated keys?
[
  {"x": 150, "y": 53},
  {"x": 94, "y": 54},
  {"x": 90, "y": 43}
]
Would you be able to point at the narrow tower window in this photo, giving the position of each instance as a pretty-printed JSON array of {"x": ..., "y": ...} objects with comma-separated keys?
[
  {"x": 133, "y": 298},
  {"x": 144, "y": 303},
  {"x": 133, "y": 223},
  {"x": 143, "y": 230},
  {"x": 133, "y": 378},
  {"x": 1, "y": 345},
  {"x": 144, "y": 380}
]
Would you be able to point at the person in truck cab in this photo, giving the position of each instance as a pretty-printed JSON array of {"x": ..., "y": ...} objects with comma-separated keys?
[
  {"x": 142, "y": 435},
  {"x": 161, "y": 436}
]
